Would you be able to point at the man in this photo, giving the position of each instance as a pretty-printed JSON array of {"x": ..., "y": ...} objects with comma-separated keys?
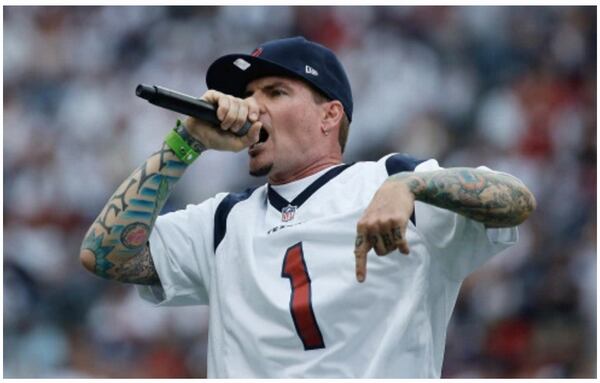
[{"x": 275, "y": 263}]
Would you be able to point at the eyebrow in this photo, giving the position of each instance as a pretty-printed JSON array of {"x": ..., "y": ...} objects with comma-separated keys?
[{"x": 269, "y": 87}]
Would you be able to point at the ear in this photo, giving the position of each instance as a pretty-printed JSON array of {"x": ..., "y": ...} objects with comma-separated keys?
[{"x": 333, "y": 111}]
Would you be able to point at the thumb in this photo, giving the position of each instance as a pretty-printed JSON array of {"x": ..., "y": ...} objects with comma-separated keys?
[{"x": 253, "y": 134}]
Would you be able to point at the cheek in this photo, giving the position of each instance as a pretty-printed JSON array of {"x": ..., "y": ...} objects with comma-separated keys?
[{"x": 297, "y": 128}]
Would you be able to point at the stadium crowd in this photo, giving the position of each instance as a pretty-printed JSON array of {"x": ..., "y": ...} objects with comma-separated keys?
[{"x": 512, "y": 88}]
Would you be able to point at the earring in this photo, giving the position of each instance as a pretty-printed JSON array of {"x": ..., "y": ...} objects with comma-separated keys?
[{"x": 326, "y": 132}]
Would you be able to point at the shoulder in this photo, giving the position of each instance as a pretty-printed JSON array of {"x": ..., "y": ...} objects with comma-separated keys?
[
  {"x": 224, "y": 208},
  {"x": 395, "y": 163},
  {"x": 399, "y": 162},
  {"x": 229, "y": 200},
  {"x": 368, "y": 174}
]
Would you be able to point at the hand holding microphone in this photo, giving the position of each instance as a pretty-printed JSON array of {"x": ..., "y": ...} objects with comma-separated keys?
[{"x": 219, "y": 121}]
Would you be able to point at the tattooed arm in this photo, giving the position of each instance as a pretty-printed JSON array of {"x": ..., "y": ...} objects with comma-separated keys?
[
  {"x": 496, "y": 200},
  {"x": 116, "y": 245}
]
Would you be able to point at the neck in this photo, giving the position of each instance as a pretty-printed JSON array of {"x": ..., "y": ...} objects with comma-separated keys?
[{"x": 305, "y": 171}]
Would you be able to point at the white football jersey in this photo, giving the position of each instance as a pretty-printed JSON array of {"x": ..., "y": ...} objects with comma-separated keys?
[{"x": 276, "y": 265}]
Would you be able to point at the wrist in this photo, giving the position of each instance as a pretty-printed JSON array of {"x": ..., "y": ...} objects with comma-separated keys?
[
  {"x": 413, "y": 184},
  {"x": 194, "y": 143},
  {"x": 185, "y": 147}
]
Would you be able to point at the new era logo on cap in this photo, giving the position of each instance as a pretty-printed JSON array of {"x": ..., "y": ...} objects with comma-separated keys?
[
  {"x": 242, "y": 64},
  {"x": 310, "y": 70}
]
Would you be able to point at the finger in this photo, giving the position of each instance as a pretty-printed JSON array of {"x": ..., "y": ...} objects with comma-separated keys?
[
  {"x": 231, "y": 115},
  {"x": 253, "y": 109},
  {"x": 240, "y": 143},
  {"x": 253, "y": 134},
  {"x": 211, "y": 96},
  {"x": 377, "y": 244},
  {"x": 361, "y": 248},
  {"x": 384, "y": 238},
  {"x": 223, "y": 108},
  {"x": 388, "y": 242},
  {"x": 241, "y": 117},
  {"x": 399, "y": 236},
  {"x": 404, "y": 247}
]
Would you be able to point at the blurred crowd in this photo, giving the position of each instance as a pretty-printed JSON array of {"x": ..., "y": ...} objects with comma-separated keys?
[{"x": 512, "y": 88}]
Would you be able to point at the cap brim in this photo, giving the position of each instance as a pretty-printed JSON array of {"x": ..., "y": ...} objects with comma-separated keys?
[{"x": 223, "y": 75}]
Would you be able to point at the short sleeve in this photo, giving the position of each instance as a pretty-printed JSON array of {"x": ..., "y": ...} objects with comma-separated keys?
[
  {"x": 460, "y": 244},
  {"x": 181, "y": 245}
]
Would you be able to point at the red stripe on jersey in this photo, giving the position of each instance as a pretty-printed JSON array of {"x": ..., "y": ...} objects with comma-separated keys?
[{"x": 294, "y": 268}]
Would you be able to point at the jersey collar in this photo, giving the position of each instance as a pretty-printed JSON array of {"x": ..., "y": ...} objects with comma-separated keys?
[{"x": 278, "y": 202}]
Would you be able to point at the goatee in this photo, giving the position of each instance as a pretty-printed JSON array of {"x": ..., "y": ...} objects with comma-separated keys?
[{"x": 262, "y": 171}]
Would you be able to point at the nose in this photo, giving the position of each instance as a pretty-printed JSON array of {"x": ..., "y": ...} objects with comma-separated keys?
[
  {"x": 261, "y": 108},
  {"x": 260, "y": 102}
]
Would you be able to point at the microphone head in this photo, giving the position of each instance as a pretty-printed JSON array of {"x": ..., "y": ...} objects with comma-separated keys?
[{"x": 145, "y": 91}]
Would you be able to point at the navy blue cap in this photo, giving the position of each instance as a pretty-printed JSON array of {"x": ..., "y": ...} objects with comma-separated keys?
[{"x": 293, "y": 57}]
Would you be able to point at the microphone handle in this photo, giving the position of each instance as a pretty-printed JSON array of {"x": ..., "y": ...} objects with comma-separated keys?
[{"x": 182, "y": 103}]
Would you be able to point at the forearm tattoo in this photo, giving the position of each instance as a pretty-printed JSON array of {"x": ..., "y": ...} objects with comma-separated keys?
[
  {"x": 118, "y": 238},
  {"x": 139, "y": 269},
  {"x": 497, "y": 200}
]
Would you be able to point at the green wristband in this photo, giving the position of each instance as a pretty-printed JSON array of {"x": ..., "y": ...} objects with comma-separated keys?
[{"x": 182, "y": 149}]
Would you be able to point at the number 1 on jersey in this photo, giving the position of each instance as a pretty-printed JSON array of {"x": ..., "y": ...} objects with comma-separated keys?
[{"x": 294, "y": 268}]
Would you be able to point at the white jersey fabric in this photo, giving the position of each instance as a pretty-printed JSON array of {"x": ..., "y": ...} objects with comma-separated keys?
[{"x": 284, "y": 300}]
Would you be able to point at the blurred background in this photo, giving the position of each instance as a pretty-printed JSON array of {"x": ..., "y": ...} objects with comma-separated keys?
[{"x": 513, "y": 88}]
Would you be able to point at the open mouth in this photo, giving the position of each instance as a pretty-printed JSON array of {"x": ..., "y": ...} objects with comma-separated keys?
[{"x": 263, "y": 137}]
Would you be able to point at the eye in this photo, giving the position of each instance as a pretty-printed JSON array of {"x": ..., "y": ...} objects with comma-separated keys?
[{"x": 277, "y": 92}]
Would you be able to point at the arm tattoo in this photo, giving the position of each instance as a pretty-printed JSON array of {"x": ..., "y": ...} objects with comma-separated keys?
[
  {"x": 139, "y": 269},
  {"x": 94, "y": 244},
  {"x": 497, "y": 200},
  {"x": 118, "y": 238}
]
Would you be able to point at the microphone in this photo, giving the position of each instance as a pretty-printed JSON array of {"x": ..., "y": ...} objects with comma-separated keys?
[{"x": 182, "y": 103}]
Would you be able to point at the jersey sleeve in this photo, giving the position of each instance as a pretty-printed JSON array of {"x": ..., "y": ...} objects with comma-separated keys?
[
  {"x": 460, "y": 244},
  {"x": 181, "y": 246}
]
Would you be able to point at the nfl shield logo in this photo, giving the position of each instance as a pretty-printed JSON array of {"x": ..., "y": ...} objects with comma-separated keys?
[{"x": 287, "y": 213}]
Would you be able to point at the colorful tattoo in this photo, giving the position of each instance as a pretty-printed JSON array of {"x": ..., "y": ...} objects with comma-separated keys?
[
  {"x": 121, "y": 197},
  {"x": 135, "y": 235},
  {"x": 102, "y": 218},
  {"x": 122, "y": 230},
  {"x": 94, "y": 244},
  {"x": 162, "y": 191},
  {"x": 497, "y": 200}
]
